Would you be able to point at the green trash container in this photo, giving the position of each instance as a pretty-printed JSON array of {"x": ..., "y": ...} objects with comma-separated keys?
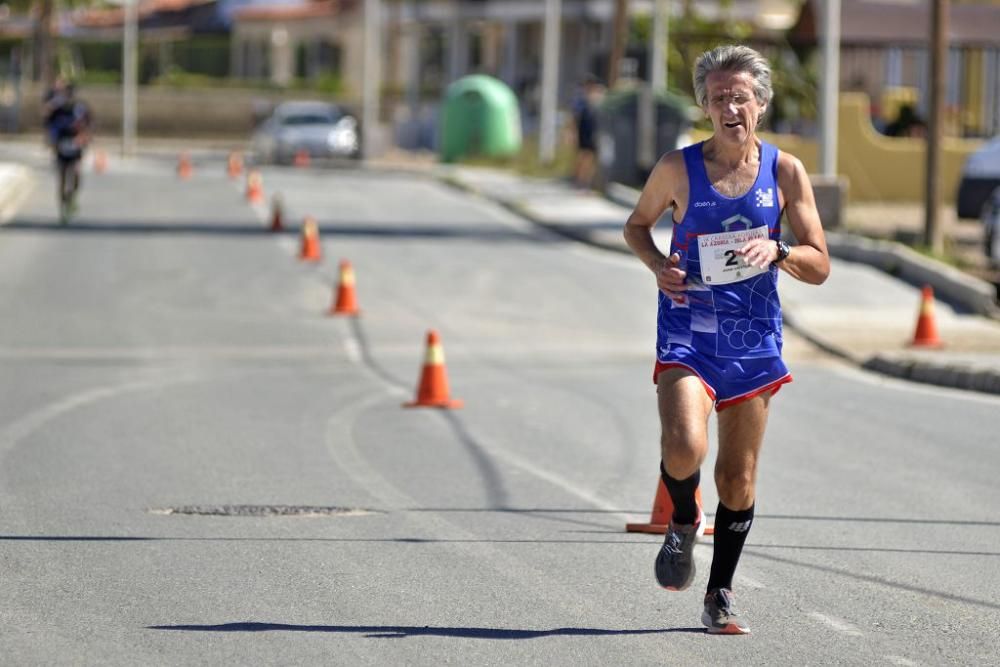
[{"x": 479, "y": 116}]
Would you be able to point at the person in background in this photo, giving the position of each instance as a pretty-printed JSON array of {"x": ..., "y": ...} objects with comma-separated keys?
[
  {"x": 67, "y": 125},
  {"x": 585, "y": 115}
]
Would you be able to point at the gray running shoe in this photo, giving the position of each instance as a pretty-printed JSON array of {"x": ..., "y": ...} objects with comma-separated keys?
[
  {"x": 720, "y": 617},
  {"x": 675, "y": 560}
]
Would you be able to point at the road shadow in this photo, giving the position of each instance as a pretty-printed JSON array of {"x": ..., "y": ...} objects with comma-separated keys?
[
  {"x": 399, "y": 631},
  {"x": 81, "y": 226}
]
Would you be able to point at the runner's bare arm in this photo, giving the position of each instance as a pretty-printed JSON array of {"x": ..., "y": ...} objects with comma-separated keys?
[
  {"x": 808, "y": 261},
  {"x": 663, "y": 189}
]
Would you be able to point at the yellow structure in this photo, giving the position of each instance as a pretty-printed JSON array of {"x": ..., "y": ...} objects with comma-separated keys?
[{"x": 878, "y": 168}]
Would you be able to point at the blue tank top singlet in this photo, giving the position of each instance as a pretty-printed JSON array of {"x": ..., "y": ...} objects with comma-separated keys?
[{"x": 731, "y": 310}]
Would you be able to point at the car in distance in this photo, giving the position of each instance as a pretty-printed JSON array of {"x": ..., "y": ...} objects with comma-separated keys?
[
  {"x": 319, "y": 129},
  {"x": 980, "y": 177}
]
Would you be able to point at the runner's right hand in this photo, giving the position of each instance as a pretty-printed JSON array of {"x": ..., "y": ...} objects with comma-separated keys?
[{"x": 671, "y": 279}]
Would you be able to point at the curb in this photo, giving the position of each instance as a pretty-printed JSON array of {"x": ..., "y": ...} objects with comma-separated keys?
[
  {"x": 896, "y": 259},
  {"x": 900, "y": 261}
]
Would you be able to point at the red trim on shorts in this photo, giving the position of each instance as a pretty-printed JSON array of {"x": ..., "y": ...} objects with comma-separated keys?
[
  {"x": 662, "y": 366},
  {"x": 736, "y": 400}
]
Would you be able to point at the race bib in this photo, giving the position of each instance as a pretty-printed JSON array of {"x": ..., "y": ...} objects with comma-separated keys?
[{"x": 720, "y": 265}]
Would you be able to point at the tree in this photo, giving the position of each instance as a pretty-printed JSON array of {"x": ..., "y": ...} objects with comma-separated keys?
[
  {"x": 619, "y": 40},
  {"x": 43, "y": 37}
]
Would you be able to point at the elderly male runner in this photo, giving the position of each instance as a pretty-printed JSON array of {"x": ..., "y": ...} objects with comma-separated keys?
[{"x": 719, "y": 321}]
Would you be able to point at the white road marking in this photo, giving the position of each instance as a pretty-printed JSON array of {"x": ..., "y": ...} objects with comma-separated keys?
[
  {"x": 900, "y": 660},
  {"x": 353, "y": 349},
  {"x": 840, "y": 625}
]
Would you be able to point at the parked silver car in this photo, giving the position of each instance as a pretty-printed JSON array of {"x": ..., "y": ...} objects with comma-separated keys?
[
  {"x": 319, "y": 129},
  {"x": 980, "y": 176}
]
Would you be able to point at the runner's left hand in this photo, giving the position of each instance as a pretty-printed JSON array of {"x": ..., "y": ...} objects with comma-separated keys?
[{"x": 759, "y": 253}]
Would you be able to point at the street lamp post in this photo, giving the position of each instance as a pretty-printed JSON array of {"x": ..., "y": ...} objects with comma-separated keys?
[
  {"x": 130, "y": 44},
  {"x": 829, "y": 89},
  {"x": 550, "y": 82},
  {"x": 372, "y": 78}
]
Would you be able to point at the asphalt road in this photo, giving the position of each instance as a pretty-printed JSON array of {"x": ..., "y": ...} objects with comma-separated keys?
[{"x": 165, "y": 358}]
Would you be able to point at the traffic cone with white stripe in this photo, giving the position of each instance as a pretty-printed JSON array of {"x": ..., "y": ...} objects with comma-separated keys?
[
  {"x": 255, "y": 187},
  {"x": 234, "y": 165},
  {"x": 926, "y": 334},
  {"x": 346, "y": 302},
  {"x": 276, "y": 214},
  {"x": 310, "y": 249},
  {"x": 663, "y": 510},
  {"x": 433, "y": 392},
  {"x": 100, "y": 161},
  {"x": 184, "y": 167}
]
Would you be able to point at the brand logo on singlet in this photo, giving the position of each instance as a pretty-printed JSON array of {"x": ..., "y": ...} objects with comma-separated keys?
[
  {"x": 702, "y": 204},
  {"x": 765, "y": 197}
]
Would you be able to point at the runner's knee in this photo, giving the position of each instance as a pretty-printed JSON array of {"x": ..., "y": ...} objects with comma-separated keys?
[{"x": 735, "y": 485}]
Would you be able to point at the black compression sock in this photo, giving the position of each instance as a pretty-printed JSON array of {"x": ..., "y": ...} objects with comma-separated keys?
[
  {"x": 682, "y": 495},
  {"x": 731, "y": 529}
]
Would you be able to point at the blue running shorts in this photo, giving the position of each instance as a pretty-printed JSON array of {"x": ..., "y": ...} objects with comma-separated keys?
[{"x": 727, "y": 381}]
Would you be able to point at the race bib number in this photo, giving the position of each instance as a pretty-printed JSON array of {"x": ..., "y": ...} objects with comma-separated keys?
[{"x": 720, "y": 265}]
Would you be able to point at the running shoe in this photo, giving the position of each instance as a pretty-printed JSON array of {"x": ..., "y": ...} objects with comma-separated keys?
[
  {"x": 675, "y": 560},
  {"x": 720, "y": 617}
]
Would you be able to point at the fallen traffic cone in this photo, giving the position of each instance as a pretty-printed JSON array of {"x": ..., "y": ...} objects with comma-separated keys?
[
  {"x": 301, "y": 158},
  {"x": 346, "y": 302},
  {"x": 255, "y": 187},
  {"x": 926, "y": 334},
  {"x": 234, "y": 166},
  {"x": 663, "y": 509},
  {"x": 432, "y": 392},
  {"x": 310, "y": 250},
  {"x": 100, "y": 161},
  {"x": 276, "y": 215},
  {"x": 184, "y": 167}
]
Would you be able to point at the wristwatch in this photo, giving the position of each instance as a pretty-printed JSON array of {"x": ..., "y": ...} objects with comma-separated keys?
[{"x": 783, "y": 250}]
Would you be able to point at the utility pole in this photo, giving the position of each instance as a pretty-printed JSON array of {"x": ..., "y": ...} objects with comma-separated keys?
[
  {"x": 646, "y": 125},
  {"x": 550, "y": 82},
  {"x": 619, "y": 39},
  {"x": 130, "y": 67},
  {"x": 660, "y": 41},
  {"x": 829, "y": 92},
  {"x": 933, "y": 238},
  {"x": 371, "y": 78}
]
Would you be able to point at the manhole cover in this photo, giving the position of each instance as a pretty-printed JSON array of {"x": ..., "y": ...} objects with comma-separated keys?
[{"x": 261, "y": 510}]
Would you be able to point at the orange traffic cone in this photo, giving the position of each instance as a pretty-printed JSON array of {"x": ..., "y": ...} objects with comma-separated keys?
[
  {"x": 255, "y": 187},
  {"x": 100, "y": 161},
  {"x": 926, "y": 334},
  {"x": 310, "y": 249},
  {"x": 276, "y": 215},
  {"x": 663, "y": 509},
  {"x": 301, "y": 158},
  {"x": 234, "y": 166},
  {"x": 346, "y": 302},
  {"x": 184, "y": 167},
  {"x": 432, "y": 392}
]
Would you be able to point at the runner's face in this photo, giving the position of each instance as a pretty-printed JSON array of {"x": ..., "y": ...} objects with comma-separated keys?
[{"x": 732, "y": 105}]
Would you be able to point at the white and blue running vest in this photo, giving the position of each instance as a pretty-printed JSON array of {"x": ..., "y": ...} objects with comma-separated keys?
[{"x": 738, "y": 320}]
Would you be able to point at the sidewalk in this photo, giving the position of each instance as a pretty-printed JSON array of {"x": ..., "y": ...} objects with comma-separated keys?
[{"x": 865, "y": 313}]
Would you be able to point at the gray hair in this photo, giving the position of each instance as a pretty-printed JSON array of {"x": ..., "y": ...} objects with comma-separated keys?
[{"x": 733, "y": 58}]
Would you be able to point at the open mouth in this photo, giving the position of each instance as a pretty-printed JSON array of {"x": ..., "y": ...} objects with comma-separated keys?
[{"x": 732, "y": 124}]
